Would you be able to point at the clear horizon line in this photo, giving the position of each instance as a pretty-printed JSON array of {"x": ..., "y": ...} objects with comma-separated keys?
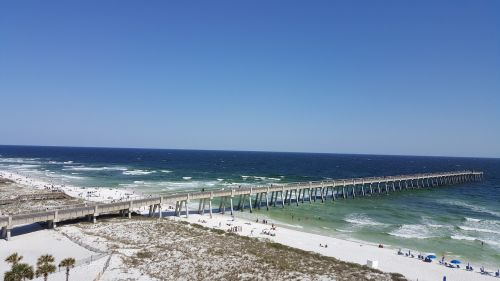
[{"x": 259, "y": 151}]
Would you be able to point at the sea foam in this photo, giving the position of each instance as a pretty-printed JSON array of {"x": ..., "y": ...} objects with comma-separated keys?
[
  {"x": 471, "y": 207},
  {"x": 478, "y": 229},
  {"x": 417, "y": 231},
  {"x": 462, "y": 237},
  {"x": 137, "y": 172},
  {"x": 85, "y": 168},
  {"x": 362, "y": 219}
]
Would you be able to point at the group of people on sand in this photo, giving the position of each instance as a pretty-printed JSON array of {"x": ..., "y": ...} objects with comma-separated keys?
[
  {"x": 268, "y": 232},
  {"x": 263, "y": 221},
  {"x": 325, "y": 246},
  {"x": 273, "y": 227},
  {"x": 489, "y": 273},
  {"x": 442, "y": 261},
  {"x": 235, "y": 229}
]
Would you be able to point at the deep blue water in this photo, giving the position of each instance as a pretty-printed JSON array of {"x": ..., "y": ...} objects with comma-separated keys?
[{"x": 462, "y": 221}]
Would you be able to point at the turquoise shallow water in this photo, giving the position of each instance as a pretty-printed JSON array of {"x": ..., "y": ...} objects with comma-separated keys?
[
  {"x": 455, "y": 226},
  {"x": 460, "y": 221}
]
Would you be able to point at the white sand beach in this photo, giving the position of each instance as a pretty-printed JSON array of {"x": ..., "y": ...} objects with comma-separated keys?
[
  {"x": 357, "y": 252},
  {"x": 32, "y": 245},
  {"x": 94, "y": 194}
]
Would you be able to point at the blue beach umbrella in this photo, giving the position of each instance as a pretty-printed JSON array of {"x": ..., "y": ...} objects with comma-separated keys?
[
  {"x": 431, "y": 256},
  {"x": 455, "y": 262}
]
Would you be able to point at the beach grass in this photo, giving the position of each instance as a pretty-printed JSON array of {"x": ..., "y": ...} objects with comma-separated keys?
[{"x": 182, "y": 251}]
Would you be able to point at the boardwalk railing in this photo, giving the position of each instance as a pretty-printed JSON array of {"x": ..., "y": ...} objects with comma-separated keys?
[{"x": 249, "y": 197}]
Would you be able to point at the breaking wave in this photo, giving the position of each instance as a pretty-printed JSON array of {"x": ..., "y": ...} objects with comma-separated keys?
[
  {"x": 362, "y": 219},
  {"x": 138, "y": 172},
  {"x": 462, "y": 237},
  {"x": 417, "y": 231},
  {"x": 478, "y": 229},
  {"x": 471, "y": 207},
  {"x": 85, "y": 168}
]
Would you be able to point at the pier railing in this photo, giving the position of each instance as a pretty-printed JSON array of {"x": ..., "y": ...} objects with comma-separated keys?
[{"x": 249, "y": 197}]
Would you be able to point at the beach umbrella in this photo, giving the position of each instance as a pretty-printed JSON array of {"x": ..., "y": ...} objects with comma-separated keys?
[
  {"x": 455, "y": 262},
  {"x": 431, "y": 256}
]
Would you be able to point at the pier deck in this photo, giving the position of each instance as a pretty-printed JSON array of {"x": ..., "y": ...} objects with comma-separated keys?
[{"x": 249, "y": 197}]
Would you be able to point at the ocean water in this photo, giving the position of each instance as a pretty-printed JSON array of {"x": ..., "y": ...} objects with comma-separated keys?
[{"x": 461, "y": 221}]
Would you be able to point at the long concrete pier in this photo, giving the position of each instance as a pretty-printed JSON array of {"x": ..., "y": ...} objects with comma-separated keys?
[{"x": 248, "y": 197}]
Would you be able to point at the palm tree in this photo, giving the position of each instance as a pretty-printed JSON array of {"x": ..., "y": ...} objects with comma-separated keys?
[
  {"x": 45, "y": 266},
  {"x": 68, "y": 263},
  {"x": 19, "y": 271},
  {"x": 14, "y": 259}
]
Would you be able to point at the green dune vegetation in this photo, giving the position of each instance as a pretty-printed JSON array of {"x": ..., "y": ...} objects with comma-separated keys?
[{"x": 178, "y": 250}]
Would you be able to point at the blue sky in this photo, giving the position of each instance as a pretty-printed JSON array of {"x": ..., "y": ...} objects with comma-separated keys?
[{"x": 377, "y": 77}]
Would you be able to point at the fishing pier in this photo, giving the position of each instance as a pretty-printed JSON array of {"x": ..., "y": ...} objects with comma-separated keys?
[{"x": 247, "y": 197}]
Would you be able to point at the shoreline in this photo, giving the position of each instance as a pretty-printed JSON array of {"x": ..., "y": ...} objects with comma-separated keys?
[
  {"x": 351, "y": 251},
  {"x": 388, "y": 260},
  {"x": 94, "y": 194}
]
